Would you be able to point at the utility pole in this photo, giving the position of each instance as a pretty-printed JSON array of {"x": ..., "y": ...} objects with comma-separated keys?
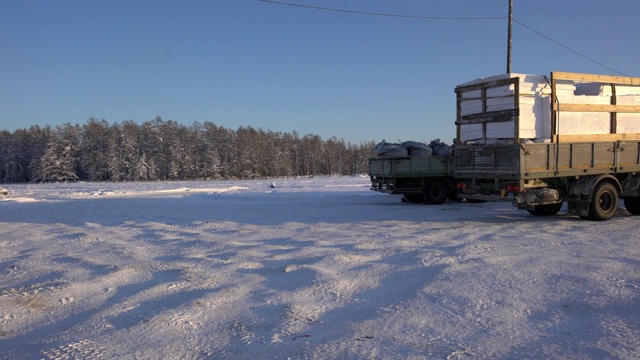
[{"x": 509, "y": 36}]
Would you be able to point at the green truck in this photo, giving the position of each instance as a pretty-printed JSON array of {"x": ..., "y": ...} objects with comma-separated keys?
[{"x": 418, "y": 179}]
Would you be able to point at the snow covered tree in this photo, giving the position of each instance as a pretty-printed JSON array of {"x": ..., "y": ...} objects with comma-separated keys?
[
  {"x": 167, "y": 150},
  {"x": 94, "y": 150},
  {"x": 124, "y": 152},
  {"x": 34, "y": 142},
  {"x": 218, "y": 142},
  {"x": 59, "y": 163},
  {"x": 142, "y": 168},
  {"x": 11, "y": 158}
]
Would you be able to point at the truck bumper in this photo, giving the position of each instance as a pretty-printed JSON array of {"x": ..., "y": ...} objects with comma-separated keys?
[{"x": 537, "y": 196}]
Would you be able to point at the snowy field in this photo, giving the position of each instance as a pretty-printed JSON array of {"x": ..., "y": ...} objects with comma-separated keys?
[{"x": 318, "y": 268}]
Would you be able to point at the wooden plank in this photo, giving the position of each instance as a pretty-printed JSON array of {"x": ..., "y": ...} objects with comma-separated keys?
[
  {"x": 581, "y": 77},
  {"x": 554, "y": 113},
  {"x": 469, "y": 120},
  {"x": 485, "y": 85},
  {"x": 492, "y": 114},
  {"x": 613, "y": 117},
  {"x": 596, "y": 108},
  {"x": 516, "y": 106},
  {"x": 597, "y": 137}
]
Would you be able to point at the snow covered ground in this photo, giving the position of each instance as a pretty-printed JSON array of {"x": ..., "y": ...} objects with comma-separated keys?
[{"x": 317, "y": 268}]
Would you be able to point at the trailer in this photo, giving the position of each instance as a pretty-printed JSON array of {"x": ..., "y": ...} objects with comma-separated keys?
[
  {"x": 540, "y": 141},
  {"x": 418, "y": 179}
]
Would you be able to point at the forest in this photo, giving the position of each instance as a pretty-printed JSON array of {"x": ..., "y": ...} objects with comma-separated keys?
[{"x": 166, "y": 150}]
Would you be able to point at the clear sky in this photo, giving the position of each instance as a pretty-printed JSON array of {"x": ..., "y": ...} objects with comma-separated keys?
[{"x": 283, "y": 68}]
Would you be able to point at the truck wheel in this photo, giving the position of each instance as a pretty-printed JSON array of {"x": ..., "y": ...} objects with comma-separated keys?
[
  {"x": 545, "y": 210},
  {"x": 436, "y": 192},
  {"x": 413, "y": 198},
  {"x": 604, "y": 204},
  {"x": 632, "y": 204}
]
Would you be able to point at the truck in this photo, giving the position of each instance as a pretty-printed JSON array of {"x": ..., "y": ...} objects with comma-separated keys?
[
  {"x": 424, "y": 179},
  {"x": 540, "y": 142}
]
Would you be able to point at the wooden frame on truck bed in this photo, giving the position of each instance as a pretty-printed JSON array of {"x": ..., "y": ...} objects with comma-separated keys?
[{"x": 617, "y": 95}]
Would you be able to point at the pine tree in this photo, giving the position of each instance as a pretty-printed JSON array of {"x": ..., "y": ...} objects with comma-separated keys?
[
  {"x": 94, "y": 150},
  {"x": 58, "y": 163}
]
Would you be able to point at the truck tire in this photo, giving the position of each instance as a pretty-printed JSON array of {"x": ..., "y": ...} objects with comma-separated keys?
[
  {"x": 437, "y": 192},
  {"x": 545, "y": 210},
  {"x": 604, "y": 204},
  {"x": 632, "y": 204}
]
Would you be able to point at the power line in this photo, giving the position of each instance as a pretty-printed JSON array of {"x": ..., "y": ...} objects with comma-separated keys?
[
  {"x": 443, "y": 18},
  {"x": 383, "y": 14},
  {"x": 567, "y": 48}
]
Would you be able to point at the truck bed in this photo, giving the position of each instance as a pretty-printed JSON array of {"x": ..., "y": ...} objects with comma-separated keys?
[
  {"x": 407, "y": 175},
  {"x": 410, "y": 166},
  {"x": 536, "y": 161}
]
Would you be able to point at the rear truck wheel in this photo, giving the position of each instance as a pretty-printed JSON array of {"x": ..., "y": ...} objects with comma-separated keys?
[
  {"x": 545, "y": 210},
  {"x": 632, "y": 204},
  {"x": 436, "y": 192},
  {"x": 413, "y": 198},
  {"x": 604, "y": 204}
]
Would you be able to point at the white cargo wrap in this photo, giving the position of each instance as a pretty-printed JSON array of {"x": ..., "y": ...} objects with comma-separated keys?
[
  {"x": 533, "y": 100},
  {"x": 588, "y": 123}
]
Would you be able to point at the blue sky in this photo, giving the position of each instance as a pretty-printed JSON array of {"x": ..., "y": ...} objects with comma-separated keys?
[{"x": 285, "y": 68}]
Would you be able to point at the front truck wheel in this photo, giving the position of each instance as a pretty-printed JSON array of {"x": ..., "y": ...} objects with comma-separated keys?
[
  {"x": 545, "y": 210},
  {"x": 604, "y": 203},
  {"x": 437, "y": 192},
  {"x": 632, "y": 204}
]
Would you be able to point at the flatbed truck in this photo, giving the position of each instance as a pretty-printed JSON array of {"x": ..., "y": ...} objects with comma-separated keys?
[{"x": 539, "y": 142}]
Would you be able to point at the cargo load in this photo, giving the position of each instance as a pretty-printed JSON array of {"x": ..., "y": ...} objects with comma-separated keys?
[{"x": 523, "y": 105}]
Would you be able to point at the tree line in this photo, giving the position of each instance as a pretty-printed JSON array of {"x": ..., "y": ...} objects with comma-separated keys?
[{"x": 166, "y": 150}]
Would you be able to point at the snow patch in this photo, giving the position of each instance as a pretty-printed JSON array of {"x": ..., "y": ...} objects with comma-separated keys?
[{"x": 313, "y": 268}]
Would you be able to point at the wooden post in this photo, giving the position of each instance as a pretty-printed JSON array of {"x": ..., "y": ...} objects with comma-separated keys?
[{"x": 509, "y": 36}]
